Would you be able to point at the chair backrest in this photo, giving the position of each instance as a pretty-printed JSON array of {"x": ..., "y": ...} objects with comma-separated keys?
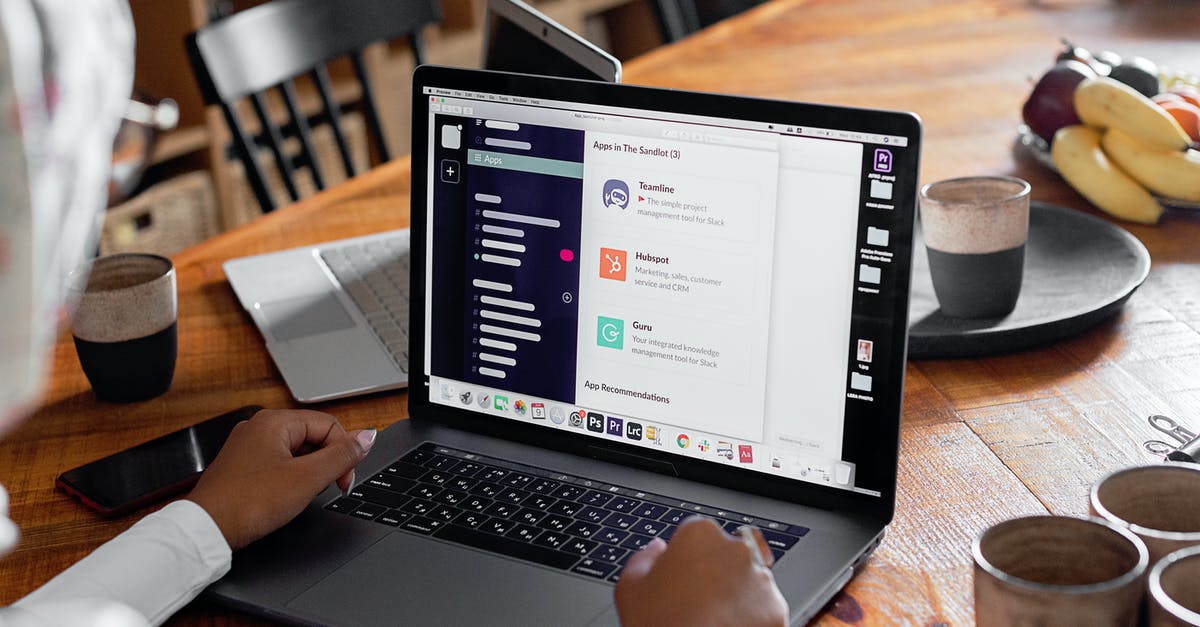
[{"x": 264, "y": 48}]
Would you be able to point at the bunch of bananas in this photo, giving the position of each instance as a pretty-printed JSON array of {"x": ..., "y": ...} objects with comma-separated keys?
[{"x": 1127, "y": 149}]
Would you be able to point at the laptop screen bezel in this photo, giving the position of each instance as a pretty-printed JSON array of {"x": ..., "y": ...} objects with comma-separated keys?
[{"x": 421, "y": 407}]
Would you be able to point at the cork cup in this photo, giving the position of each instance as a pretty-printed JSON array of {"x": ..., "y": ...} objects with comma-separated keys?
[
  {"x": 975, "y": 229},
  {"x": 124, "y": 325}
]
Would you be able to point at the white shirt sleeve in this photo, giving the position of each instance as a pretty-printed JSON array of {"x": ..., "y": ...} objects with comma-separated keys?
[{"x": 156, "y": 567}]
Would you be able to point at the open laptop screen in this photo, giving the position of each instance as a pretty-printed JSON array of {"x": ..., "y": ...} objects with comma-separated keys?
[{"x": 724, "y": 289}]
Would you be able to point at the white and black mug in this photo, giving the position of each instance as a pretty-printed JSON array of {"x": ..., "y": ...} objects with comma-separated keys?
[
  {"x": 975, "y": 229},
  {"x": 124, "y": 326}
]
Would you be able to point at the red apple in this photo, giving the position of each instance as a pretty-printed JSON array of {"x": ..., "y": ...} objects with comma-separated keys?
[{"x": 1051, "y": 104}]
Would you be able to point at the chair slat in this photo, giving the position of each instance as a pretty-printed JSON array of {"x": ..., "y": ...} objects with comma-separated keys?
[
  {"x": 320, "y": 76},
  {"x": 287, "y": 90}
]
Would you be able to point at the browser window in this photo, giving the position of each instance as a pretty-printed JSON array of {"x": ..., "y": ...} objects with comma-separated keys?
[{"x": 697, "y": 285}]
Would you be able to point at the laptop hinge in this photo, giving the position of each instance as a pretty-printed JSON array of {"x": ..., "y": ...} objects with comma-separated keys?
[{"x": 635, "y": 461}]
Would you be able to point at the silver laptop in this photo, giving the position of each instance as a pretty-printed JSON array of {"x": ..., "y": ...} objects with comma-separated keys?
[
  {"x": 519, "y": 38},
  {"x": 629, "y": 306},
  {"x": 335, "y": 316}
]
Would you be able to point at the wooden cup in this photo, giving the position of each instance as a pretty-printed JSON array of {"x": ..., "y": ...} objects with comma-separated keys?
[
  {"x": 1054, "y": 570},
  {"x": 1174, "y": 597},
  {"x": 1159, "y": 503}
]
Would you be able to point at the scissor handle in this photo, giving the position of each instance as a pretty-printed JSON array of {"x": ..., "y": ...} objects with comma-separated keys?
[
  {"x": 1157, "y": 447},
  {"x": 1170, "y": 427}
]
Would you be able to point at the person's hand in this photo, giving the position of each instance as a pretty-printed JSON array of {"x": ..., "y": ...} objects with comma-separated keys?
[
  {"x": 704, "y": 577},
  {"x": 272, "y": 466}
]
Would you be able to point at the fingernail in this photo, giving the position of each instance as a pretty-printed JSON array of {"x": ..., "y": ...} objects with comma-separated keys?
[{"x": 366, "y": 438}]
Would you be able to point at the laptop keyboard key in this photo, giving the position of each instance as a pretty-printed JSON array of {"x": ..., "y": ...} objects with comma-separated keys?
[
  {"x": 529, "y": 516},
  {"x": 650, "y": 510},
  {"x": 470, "y": 519},
  {"x": 537, "y": 501},
  {"x": 566, "y": 491},
  {"x": 564, "y": 508},
  {"x": 393, "y": 517},
  {"x": 417, "y": 456},
  {"x": 441, "y": 463},
  {"x": 594, "y": 568},
  {"x": 622, "y": 504},
  {"x": 475, "y": 503},
  {"x": 648, "y": 527},
  {"x": 408, "y": 471},
  {"x": 344, "y": 505},
  {"x": 492, "y": 474},
  {"x": 583, "y": 529},
  {"x": 516, "y": 480},
  {"x": 551, "y": 539},
  {"x": 503, "y": 510},
  {"x": 556, "y": 523},
  {"x": 418, "y": 507},
  {"x": 391, "y": 482},
  {"x": 542, "y": 486},
  {"x": 445, "y": 512},
  {"x": 578, "y": 546},
  {"x": 524, "y": 533},
  {"x": 421, "y": 525},
  {"x": 620, "y": 521},
  {"x": 512, "y": 495},
  {"x": 461, "y": 483},
  {"x": 380, "y": 496},
  {"x": 593, "y": 497},
  {"x": 673, "y": 517},
  {"x": 489, "y": 490},
  {"x": 608, "y": 535},
  {"x": 424, "y": 491},
  {"x": 467, "y": 469},
  {"x": 776, "y": 540},
  {"x": 451, "y": 497},
  {"x": 592, "y": 514},
  {"x": 636, "y": 542},
  {"x": 506, "y": 546},
  {"x": 497, "y": 526},
  {"x": 606, "y": 553},
  {"x": 436, "y": 477}
]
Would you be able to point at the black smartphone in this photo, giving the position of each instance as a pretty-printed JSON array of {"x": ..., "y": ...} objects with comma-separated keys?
[{"x": 139, "y": 476}]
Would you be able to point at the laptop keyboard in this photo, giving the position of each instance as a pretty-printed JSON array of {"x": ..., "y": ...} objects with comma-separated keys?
[
  {"x": 561, "y": 521},
  {"x": 375, "y": 275}
]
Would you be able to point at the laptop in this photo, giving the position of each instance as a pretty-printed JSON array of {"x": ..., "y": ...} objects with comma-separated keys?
[
  {"x": 335, "y": 316},
  {"x": 629, "y": 306},
  {"x": 519, "y": 38}
]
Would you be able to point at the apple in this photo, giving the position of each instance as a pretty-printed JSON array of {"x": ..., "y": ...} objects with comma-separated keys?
[{"x": 1051, "y": 104}]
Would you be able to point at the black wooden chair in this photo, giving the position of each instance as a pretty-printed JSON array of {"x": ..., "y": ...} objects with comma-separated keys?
[{"x": 265, "y": 48}]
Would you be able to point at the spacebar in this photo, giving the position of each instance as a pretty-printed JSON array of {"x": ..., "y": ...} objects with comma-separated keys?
[{"x": 504, "y": 546}]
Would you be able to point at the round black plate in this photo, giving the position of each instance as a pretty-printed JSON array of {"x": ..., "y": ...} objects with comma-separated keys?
[{"x": 1079, "y": 270}]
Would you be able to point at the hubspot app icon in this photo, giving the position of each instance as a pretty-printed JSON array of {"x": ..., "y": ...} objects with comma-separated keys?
[
  {"x": 612, "y": 264},
  {"x": 610, "y": 332}
]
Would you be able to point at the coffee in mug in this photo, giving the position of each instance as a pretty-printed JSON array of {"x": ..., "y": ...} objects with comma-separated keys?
[
  {"x": 975, "y": 229},
  {"x": 125, "y": 326}
]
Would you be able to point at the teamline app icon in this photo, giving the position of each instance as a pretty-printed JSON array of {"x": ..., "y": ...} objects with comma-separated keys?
[
  {"x": 610, "y": 332},
  {"x": 616, "y": 426},
  {"x": 616, "y": 194}
]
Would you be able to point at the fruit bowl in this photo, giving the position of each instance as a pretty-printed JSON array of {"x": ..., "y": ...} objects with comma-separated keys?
[{"x": 1037, "y": 148}]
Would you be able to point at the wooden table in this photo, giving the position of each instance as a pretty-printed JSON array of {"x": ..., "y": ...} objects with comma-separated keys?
[{"x": 982, "y": 440}]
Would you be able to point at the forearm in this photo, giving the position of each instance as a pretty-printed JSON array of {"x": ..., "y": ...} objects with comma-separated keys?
[{"x": 156, "y": 567}]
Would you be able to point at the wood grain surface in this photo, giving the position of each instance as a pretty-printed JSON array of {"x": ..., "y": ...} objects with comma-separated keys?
[{"x": 982, "y": 440}]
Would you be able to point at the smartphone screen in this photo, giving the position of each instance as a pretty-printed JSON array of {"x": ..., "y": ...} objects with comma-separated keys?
[{"x": 153, "y": 470}]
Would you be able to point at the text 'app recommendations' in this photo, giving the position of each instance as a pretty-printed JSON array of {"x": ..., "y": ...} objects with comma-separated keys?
[{"x": 674, "y": 280}]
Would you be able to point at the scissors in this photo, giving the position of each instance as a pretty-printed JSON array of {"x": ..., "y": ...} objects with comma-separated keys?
[{"x": 1188, "y": 447}]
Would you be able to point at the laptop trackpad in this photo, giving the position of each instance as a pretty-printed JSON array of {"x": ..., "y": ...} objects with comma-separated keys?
[
  {"x": 294, "y": 318},
  {"x": 405, "y": 579}
]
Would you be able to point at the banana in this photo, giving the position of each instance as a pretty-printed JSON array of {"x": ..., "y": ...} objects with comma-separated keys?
[
  {"x": 1080, "y": 160},
  {"x": 1167, "y": 172},
  {"x": 1104, "y": 102}
]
